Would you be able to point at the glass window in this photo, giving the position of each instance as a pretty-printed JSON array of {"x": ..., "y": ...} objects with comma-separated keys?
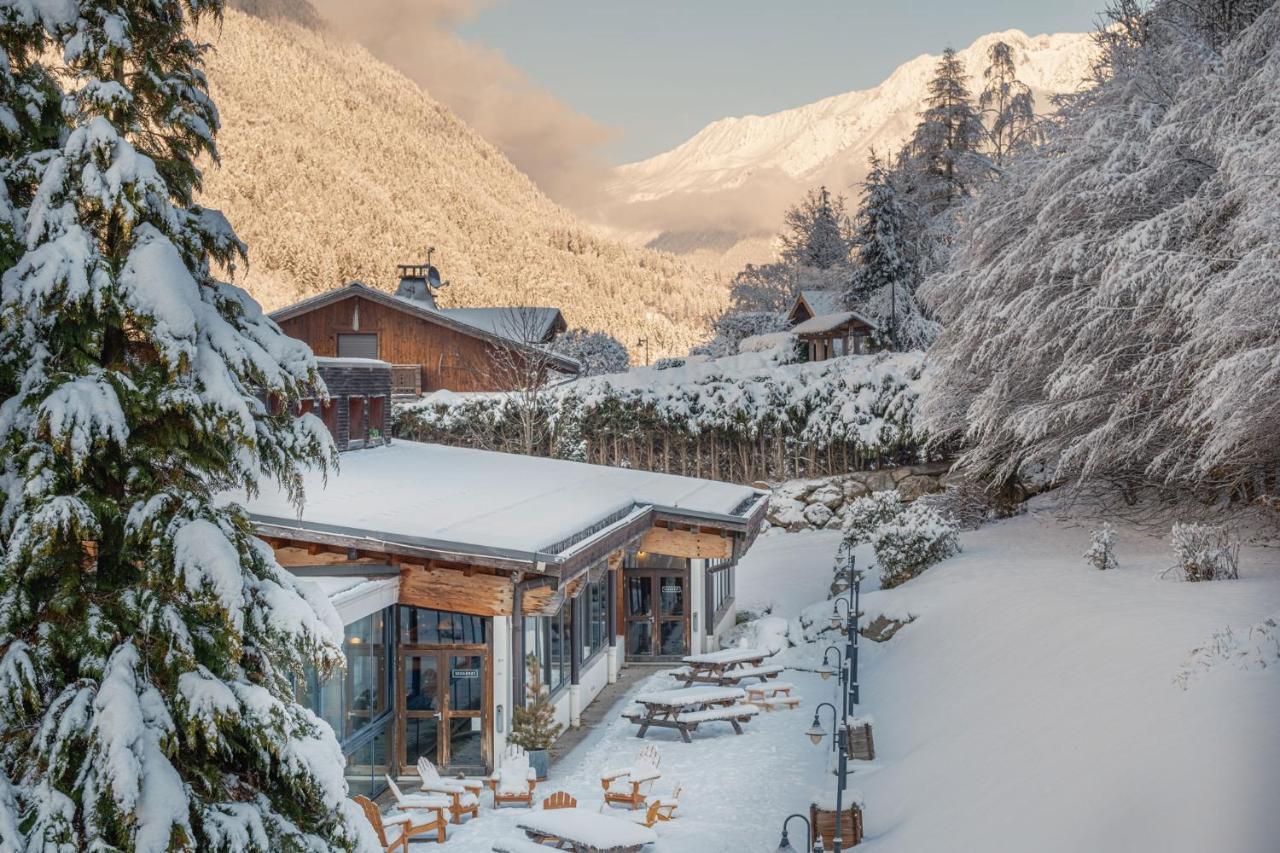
[
  {"x": 352, "y": 697},
  {"x": 559, "y": 651},
  {"x": 593, "y": 604},
  {"x": 420, "y": 626},
  {"x": 367, "y": 763}
]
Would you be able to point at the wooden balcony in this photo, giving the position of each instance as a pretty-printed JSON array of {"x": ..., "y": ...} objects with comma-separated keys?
[{"x": 406, "y": 380}]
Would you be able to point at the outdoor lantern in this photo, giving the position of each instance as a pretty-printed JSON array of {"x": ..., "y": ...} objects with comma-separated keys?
[
  {"x": 815, "y": 732},
  {"x": 836, "y": 621},
  {"x": 817, "y": 845},
  {"x": 785, "y": 844},
  {"x": 826, "y": 672},
  {"x": 840, "y": 584}
]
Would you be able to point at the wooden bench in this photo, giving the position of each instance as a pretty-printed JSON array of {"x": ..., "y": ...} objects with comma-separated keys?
[
  {"x": 765, "y": 689},
  {"x": 780, "y": 703},
  {"x": 734, "y": 716},
  {"x": 519, "y": 845}
]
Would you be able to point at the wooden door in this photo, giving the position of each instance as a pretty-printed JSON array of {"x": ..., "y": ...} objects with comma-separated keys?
[{"x": 443, "y": 707}]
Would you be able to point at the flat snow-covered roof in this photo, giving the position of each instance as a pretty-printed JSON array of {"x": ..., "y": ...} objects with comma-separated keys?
[{"x": 491, "y": 500}]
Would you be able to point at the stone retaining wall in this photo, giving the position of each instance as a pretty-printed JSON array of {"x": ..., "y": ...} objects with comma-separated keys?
[{"x": 820, "y": 504}]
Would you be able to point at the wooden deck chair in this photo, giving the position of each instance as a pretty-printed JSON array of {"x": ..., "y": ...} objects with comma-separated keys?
[
  {"x": 515, "y": 780},
  {"x": 627, "y": 785},
  {"x": 560, "y": 800},
  {"x": 465, "y": 793},
  {"x": 405, "y": 826}
]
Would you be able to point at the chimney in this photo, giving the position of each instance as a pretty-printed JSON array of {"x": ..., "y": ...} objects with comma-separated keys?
[{"x": 419, "y": 281}]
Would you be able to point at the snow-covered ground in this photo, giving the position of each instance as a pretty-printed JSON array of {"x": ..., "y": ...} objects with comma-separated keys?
[{"x": 1032, "y": 705}]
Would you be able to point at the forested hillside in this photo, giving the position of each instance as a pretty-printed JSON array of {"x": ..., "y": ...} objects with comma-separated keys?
[
  {"x": 337, "y": 167},
  {"x": 1111, "y": 311}
]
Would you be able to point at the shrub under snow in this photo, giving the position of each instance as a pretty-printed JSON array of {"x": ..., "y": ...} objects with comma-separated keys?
[
  {"x": 1101, "y": 554},
  {"x": 917, "y": 539},
  {"x": 1205, "y": 552},
  {"x": 866, "y": 514},
  {"x": 597, "y": 352}
]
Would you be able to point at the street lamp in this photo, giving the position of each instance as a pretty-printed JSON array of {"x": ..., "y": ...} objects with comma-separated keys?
[
  {"x": 816, "y": 733},
  {"x": 785, "y": 844}
]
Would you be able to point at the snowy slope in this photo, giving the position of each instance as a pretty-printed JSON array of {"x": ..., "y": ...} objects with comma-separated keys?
[
  {"x": 803, "y": 143},
  {"x": 1032, "y": 706}
]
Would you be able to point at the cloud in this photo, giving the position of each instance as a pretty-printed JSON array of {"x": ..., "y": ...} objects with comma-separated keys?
[{"x": 558, "y": 147}]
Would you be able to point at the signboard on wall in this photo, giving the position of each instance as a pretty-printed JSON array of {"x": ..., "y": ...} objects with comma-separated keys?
[{"x": 464, "y": 673}]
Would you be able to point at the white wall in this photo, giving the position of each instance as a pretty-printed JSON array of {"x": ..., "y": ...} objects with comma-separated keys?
[
  {"x": 501, "y": 678},
  {"x": 697, "y": 607}
]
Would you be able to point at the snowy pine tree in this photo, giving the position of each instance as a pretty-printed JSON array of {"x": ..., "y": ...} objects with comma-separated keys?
[
  {"x": 883, "y": 283},
  {"x": 946, "y": 143},
  {"x": 817, "y": 232},
  {"x": 597, "y": 352},
  {"x": 1007, "y": 105},
  {"x": 147, "y": 638}
]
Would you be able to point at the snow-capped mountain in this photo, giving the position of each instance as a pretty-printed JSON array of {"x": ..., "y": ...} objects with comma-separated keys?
[{"x": 762, "y": 159}]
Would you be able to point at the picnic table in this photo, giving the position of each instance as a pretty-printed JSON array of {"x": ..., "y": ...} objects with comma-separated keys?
[
  {"x": 689, "y": 707},
  {"x": 727, "y": 667},
  {"x": 586, "y": 831}
]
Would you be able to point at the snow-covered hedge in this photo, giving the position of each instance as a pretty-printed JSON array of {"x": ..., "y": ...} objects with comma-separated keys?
[
  {"x": 864, "y": 516},
  {"x": 906, "y": 538},
  {"x": 763, "y": 413}
]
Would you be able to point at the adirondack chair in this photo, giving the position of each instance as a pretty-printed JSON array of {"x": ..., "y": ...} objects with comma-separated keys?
[
  {"x": 661, "y": 809},
  {"x": 406, "y": 826},
  {"x": 414, "y": 802},
  {"x": 515, "y": 780},
  {"x": 560, "y": 800},
  {"x": 627, "y": 785},
  {"x": 465, "y": 793}
]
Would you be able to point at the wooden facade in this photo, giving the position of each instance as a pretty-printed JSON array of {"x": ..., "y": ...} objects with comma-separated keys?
[{"x": 449, "y": 354}]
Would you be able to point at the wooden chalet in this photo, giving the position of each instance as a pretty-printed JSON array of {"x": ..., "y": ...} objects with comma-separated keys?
[
  {"x": 826, "y": 330},
  {"x": 430, "y": 348},
  {"x": 449, "y": 566}
]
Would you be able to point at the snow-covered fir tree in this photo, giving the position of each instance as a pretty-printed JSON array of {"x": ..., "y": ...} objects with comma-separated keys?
[
  {"x": 1111, "y": 308},
  {"x": 1007, "y": 105},
  {"x": 883, "y": 282},
  {"x": 817, "y": 232},
  {"x": 946, "y": 144},
  {"x": 147, "y": 638},
  {"x": 597, "y": 352}
]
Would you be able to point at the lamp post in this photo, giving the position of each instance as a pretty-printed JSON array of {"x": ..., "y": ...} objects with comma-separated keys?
[
  {"x": 785, "y": 844},
  {"x": 850, "y": 625},
  {"x": 844, "y": 682},
  {"x": 816, "y": 733}
]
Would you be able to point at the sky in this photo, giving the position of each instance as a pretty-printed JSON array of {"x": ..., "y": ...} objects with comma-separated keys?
[
  {"x": 654, "y": 72},
  {"x": 567, "y": 89}
]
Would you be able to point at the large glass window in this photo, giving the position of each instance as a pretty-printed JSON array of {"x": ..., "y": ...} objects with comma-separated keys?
[
  {"x": 593, "y": 616},
  {"x": 559, "y": 649},
  {"x": 358, "y": 694},
  {"x": 369, "y": 761},
  {"x": 721, "y": 588}
]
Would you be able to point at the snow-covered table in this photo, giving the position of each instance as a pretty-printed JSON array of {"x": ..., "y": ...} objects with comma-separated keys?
[
  {"x": 586, "y": 831},
  {"x": 727, "y": 667},
  {"x": 687, "y": 708}
]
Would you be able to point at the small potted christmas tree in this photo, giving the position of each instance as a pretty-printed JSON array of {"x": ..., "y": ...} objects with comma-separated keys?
[{"x": 534, "y": 726}]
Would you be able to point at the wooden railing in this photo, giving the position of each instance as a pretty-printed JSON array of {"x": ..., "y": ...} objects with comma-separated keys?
[{"x": 406, "y": 379}]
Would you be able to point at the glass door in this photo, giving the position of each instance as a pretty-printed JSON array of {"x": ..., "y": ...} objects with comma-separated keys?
[
  {"x": 422, "y": 708},
  {"x": 464, "y": 713},
  {"x": 657, "y": 614},
  {"x": 672, "y": 616},
  {"x": 639, "y": 616}
]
